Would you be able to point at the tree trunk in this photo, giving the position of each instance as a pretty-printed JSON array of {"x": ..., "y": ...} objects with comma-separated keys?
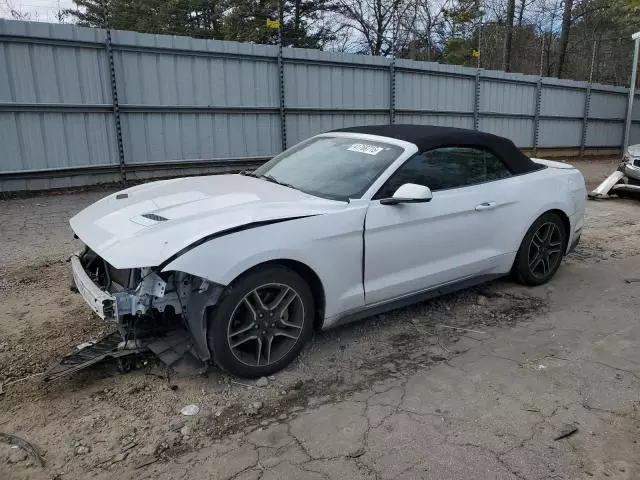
[
  {"x": 548, "y": 54},
  {"x": 521, "y": 12},
  {"x": 297, "y": 15},
  {"x": 379, "y": 29},
  {"x": 508, "y": 37},
  {"x": 564, "y": 36}
]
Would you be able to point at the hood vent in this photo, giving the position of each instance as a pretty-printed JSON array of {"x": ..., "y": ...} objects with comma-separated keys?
[{"x": 153, "y": 216}]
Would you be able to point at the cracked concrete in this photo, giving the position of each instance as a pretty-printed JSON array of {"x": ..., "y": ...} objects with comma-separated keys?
[{"x": 491, "y": 412}]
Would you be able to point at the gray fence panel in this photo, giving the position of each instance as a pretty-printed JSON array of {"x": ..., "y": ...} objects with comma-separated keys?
[
  {"x": 335, "y": 87},
  {"x": 560, "y": 133},
  {"x": 151, "y": 78},
  {"x": 52, "y": 74},
  {"x": 562, "y": 102},
  {"x": 608, "y": 105},
  {"x": 634, "y": 134},
  {"x": 422, "y": 91},
  {"x": 191, "y": 102},
  {"x": 172, "y": 92},
  {"x": 303, "y": 126},
  {"x": 604, "y": 133},
  {"x": 509, "y": 98},
  {"x": 440, "y": 120},
  {"x": 58, "y": 98},
  {"x": 518, "y": 130},
  {"x": 154, "y": 137}
]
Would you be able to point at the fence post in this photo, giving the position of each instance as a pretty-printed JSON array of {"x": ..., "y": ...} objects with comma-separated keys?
[
  {"x": 476, "y": 102},
  {"x": 536, "y": 118},
  {"x": 392, "y": 93},
  {"x": 585, "y": 119},
  {"x": 114, "y": 95},
  {"x": 283, "y": 112}
]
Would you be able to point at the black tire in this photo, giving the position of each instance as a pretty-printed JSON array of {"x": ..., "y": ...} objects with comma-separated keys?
[
  {"x": 534, "y": 264},
  {"x": 230, "y": 329}
]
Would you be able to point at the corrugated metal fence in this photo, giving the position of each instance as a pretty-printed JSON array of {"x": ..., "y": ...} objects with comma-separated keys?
[{"x": 78, "y": 106}]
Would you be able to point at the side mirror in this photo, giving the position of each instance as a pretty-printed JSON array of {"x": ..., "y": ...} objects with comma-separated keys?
[{"x": 409, "y": 193}]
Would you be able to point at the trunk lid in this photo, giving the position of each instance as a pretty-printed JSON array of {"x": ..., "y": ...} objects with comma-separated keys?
[{"x": 553, "y": 164}]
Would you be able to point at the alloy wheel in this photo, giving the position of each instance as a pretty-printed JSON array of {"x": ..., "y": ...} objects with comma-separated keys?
[
  {"x": 266, "y": 324},
  {"x": 545, "y": 250}
]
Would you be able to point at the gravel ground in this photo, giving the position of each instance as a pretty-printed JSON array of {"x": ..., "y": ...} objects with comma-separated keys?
[{"x": 402, "y": 395}]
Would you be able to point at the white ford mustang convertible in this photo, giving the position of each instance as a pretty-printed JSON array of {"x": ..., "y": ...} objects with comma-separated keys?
[{"x": 344, "y": 225}]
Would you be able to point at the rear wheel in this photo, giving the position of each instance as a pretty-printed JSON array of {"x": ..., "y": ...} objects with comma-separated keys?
[
  {"x": 541, "y": 251},
  {"x": 261, "y": 323}
]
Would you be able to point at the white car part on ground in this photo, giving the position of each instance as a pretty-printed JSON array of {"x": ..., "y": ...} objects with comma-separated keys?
[{"x": 625, "y": 179}]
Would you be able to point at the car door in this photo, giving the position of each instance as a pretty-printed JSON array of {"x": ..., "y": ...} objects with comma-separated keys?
[{"x": 412, "y": 247}]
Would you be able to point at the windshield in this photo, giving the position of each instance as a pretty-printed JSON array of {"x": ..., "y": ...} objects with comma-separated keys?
[{"x": 331, "y": 167}]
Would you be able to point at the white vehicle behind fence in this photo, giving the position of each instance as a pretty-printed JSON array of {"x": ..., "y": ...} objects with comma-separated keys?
[{"x": 625, "y": 180}]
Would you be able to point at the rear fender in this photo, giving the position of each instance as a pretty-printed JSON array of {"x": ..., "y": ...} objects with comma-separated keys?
[{"x": 547, "y": 207}]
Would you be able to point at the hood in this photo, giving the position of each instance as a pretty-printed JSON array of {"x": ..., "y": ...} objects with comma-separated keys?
[
  {"x": 634, "y": 150},
  {"x": 144, "y": 225},
  {"x": 553, "y": 163}
]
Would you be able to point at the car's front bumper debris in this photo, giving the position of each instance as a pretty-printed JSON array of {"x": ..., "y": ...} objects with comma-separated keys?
[
  {"x": 101, "y": 302},
  {"x": 149, "y": 310},
  {"x": 111, "y": 346},
  {"x": 173, "y": 349}
]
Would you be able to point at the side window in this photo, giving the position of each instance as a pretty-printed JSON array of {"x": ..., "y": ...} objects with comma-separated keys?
[
  {"x": 444, "y": 168},
  {"x": 496, "y": 170}
]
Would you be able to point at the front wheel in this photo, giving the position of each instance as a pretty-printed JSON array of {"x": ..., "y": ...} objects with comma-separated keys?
[
  {"x": 261, "y": 323},
  {"x": 541, "y": 251}
]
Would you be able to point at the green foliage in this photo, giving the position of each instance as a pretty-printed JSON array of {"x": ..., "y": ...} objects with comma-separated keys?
[
  {"x": 447, "y": 32},
  {"x": 458, "y": 51},
  {"x": 241, "y": 20},
  {"x": 463, "y": 15}
]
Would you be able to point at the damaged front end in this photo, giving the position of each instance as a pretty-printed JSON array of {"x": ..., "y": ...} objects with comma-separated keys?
[{"x": 159, "y": 312}]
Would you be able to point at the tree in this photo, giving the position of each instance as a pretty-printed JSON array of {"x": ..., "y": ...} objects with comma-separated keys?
[
  {"x": 564, "y": 35},
  {"x": 382, "y": 25},
  {"x": 242, "y": 20},
  {"x": 521, "y": 12},
  {"x": 529, "y": 36},
  {"x": 14, "y": 12},
  {"x": 302, "y": 22},
  {"x": 196, "y": 18},
  {"x": 508, "y": 37},
  {"x": 463, "y": 21},
  {"x": 428, "y": 32}
]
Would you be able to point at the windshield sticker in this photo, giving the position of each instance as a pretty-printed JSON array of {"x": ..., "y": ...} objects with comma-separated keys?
[{"x": 362, "y": 148}]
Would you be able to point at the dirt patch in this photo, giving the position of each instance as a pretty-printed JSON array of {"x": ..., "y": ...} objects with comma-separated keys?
[
  {"x": 611, "y": 230},
  {"x": 40, "y": 319}
]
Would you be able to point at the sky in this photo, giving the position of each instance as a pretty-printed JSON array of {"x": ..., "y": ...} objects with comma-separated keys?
[{"x": 38, "y": 10}]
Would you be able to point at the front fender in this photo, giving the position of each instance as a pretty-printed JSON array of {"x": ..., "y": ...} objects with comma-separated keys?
[{"x": 331, "y": 245}]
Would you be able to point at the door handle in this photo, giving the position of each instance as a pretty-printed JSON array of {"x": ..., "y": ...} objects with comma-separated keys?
[{"x": 486, "y": 206}]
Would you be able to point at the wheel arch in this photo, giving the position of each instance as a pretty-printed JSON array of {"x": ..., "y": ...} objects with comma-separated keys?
[
  {"x": 556, "y": 209},
  {"x": 307, "y": 273},
  {"x": 566, "y": 222}
]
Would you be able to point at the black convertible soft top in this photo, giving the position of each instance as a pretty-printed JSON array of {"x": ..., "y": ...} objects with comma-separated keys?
[{"x": 427, "y": 137}]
